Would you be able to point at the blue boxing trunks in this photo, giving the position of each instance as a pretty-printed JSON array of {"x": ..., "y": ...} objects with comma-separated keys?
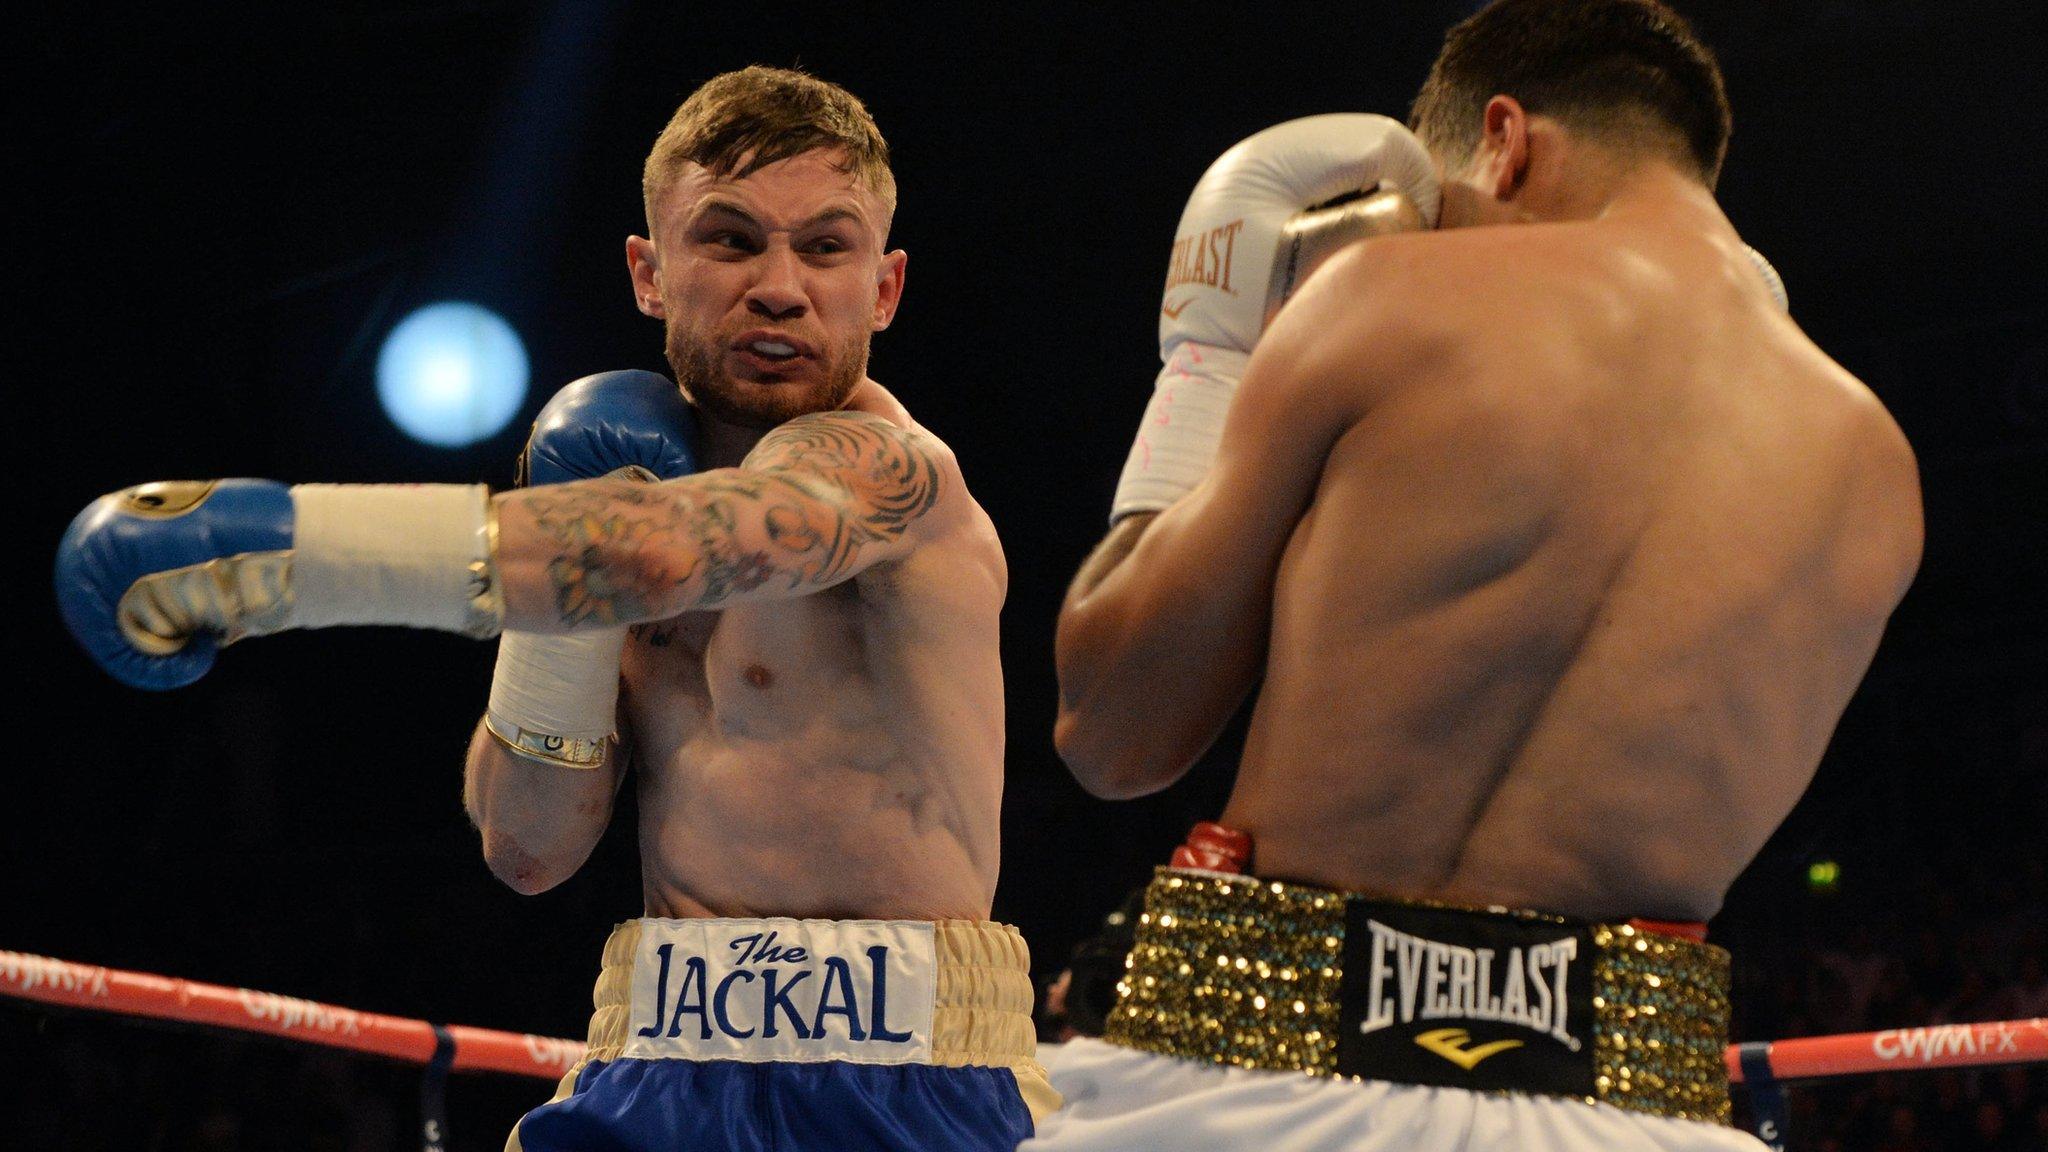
[{"x": 779, "y": 1035}]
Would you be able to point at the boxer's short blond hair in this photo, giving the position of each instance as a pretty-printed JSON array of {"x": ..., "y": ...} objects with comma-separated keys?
[{"x": 742, "y": 121}]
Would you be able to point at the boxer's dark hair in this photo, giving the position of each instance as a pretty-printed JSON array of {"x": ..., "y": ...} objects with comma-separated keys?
[
  {"x": 1630, "y": 71},
  {"x": 738, "y": 122}
]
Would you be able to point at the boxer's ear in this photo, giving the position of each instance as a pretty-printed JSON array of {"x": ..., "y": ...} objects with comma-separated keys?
[
  {"x": 889, "y": 286},
  {"x": 1504, "y": 142},
  {"x": 642, "y": 264}
]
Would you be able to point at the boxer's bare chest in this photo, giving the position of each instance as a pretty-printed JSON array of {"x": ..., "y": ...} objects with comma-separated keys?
[
  {"x": 785, "y": 766},
  {"x": 756, "y": 673}
]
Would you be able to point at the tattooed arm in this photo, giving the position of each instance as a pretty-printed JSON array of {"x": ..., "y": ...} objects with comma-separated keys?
[{"x": 819, "y": 500}]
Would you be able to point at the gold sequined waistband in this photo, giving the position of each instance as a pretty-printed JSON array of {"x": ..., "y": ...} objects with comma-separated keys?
[{"x": 1250, "y": 972}]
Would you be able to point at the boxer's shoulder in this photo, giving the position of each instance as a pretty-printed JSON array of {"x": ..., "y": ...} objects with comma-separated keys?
[
  {"x": 1383, "y": 314},
  {"x": 893, "y": 479},
  {"x": 888, "y": 467},
  {"x": 1885, "y": 501}
]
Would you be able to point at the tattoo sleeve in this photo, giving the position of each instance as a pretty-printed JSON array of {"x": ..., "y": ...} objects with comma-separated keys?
[{"x": 817, "y": 501}]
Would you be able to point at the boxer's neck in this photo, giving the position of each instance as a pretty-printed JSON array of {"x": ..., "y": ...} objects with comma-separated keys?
[
  {"x": 1568, "y": 177},
  {"x": 1585, "y": 181},
  {"x": 725, "y": 445},
  {"x": 1660, "y": 194}
]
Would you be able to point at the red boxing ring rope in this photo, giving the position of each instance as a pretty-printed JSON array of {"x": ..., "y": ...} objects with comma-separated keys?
[
  {"x": 61, "y": 982},
  {"x": 69, "y": 985},
  {"x": 1900, "y": 1049}
]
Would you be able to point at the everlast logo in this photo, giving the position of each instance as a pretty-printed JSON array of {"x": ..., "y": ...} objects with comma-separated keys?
[
  {"x": 1465, "y": 999},
  {"x": 1203, "y": 258},
  {"x": 782, "y": 990},
  {"x": 1413, "y": 978}
]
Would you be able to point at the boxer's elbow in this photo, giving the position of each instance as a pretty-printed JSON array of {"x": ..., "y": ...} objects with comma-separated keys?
[
  {"x": 531, "y": 841},
  {"x": 1111, "y": 759},
  {"x": 526, "y": 872},
  {"x": 1100, "y": 731}
]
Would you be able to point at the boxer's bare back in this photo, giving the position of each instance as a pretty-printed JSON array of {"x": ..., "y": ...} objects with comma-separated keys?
[{"x": 1576, "y": 549}]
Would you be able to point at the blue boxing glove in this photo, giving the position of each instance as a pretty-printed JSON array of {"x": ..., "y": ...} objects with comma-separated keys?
[
  {"x": 554, "y": 699},
  {"x": 152, "y": 580},
  {"x": 127, "y": 621},
  {"x": 608, "y": 423}
]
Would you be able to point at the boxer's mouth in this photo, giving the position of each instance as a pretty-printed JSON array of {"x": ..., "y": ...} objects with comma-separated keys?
[{"x": 771, "y": 347}]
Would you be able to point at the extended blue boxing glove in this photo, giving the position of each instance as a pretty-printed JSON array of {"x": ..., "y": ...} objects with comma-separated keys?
[
  {"x": 152, "y": 580},
  {"x": 554, "y": 699},
  {"x": 124, "y": 615}
]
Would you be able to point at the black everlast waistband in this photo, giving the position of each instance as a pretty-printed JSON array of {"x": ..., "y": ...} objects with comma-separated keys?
[{"x": 1268, "y": 975}]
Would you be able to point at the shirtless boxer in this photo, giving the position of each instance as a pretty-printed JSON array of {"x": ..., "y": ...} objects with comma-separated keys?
[
  {"x": 812, "y": 697},
  {"x": 1560, "y": 550}
]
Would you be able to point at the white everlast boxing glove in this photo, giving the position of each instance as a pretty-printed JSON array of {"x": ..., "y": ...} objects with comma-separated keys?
[{"x": 1259, "y": 220}]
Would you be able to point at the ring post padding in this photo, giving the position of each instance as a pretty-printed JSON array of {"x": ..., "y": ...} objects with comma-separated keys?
[
  {"x": 434, "y": 1093},
  {"x": 1766, "y": 1095}
]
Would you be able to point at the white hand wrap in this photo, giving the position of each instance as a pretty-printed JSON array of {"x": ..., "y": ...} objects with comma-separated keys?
[
  {"x": 556, "y": 698},
  {"x": 1183, "y": 424},
  {"x": 414, "y": 555}
]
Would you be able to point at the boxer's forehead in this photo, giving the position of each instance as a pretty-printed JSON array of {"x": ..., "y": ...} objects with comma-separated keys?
[{"x": 805, "y": 189}]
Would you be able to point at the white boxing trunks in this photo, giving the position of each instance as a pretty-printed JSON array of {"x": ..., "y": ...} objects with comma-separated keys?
[
  {"x": 1118, "y": 1099},
  {"x": 1261, "y": 1015}
]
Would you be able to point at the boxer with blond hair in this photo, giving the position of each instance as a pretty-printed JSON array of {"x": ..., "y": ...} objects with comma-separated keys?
[{"x": 812, "y": 705}]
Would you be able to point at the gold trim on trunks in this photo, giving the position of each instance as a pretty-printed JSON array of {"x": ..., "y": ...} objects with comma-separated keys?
[{"x": 1238, "y": 970}]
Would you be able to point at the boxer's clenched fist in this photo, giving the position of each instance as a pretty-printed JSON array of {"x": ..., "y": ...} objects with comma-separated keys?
[
  {"x": 151, "y": 580},
  {"x": 609, "y": 422}
]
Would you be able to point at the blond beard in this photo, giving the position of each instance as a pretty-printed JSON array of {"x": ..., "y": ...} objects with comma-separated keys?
[{"x": 694, "y": 360}]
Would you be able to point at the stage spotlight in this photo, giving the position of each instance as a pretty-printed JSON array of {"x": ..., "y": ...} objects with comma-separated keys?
[{"x": 452, "y": 374}]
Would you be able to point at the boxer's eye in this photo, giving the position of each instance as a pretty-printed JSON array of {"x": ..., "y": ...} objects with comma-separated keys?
[{"x": 731, "y": 241}]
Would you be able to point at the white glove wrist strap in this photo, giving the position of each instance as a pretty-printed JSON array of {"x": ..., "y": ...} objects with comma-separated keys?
[
  {"x": 1183, "y": 424},
  {"x": 555, "y": 698},
  {"x": 415, "y": 555}
]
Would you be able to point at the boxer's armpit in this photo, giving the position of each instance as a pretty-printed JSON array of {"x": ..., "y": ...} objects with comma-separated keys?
[{"x": 817, "y": 501}]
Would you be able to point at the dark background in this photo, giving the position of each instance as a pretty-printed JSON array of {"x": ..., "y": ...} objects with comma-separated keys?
[{"x": 220, "y": 211}]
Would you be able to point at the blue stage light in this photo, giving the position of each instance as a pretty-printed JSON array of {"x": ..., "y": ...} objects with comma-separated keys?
[{"x": 452, "y": 374}]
